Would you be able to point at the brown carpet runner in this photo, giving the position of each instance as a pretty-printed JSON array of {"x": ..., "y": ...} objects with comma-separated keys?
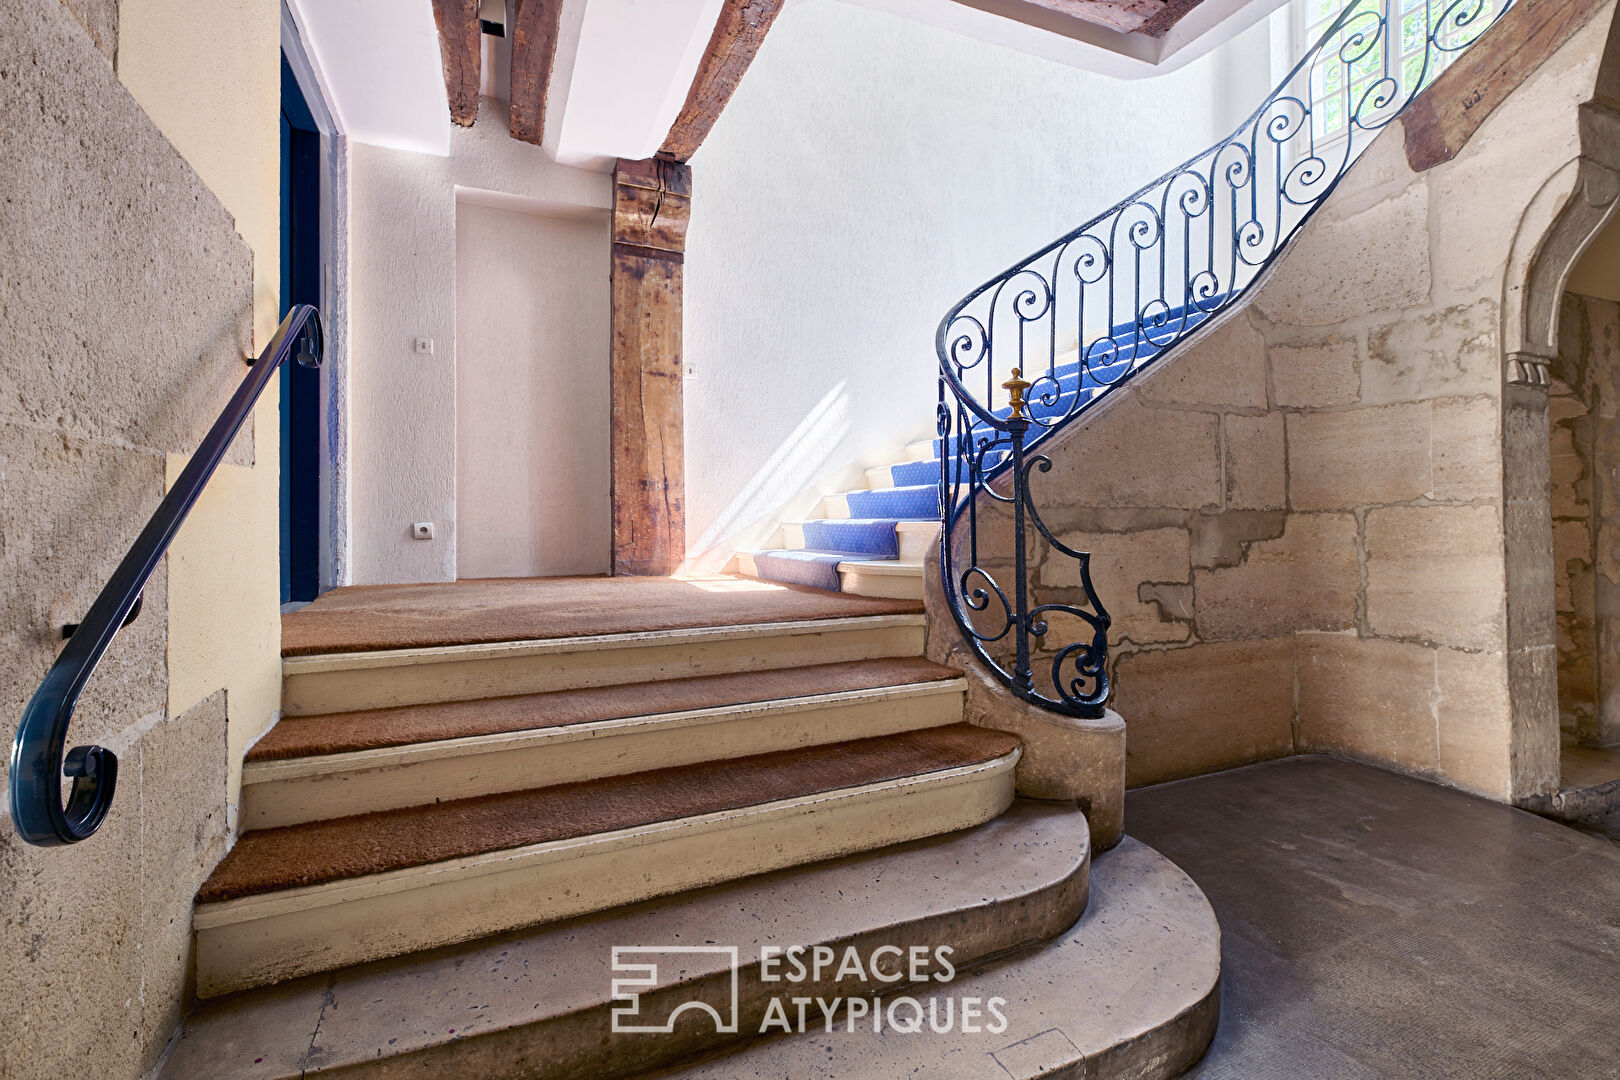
[
  {"x": 367, "y": 617},
  {"x": 336, "y": 733},
  {"x": 272, "y": 859}
]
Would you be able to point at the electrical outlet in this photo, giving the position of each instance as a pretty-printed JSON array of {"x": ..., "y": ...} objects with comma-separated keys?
[
  {"x": 424, "y": 346},
  {"x": 422, "y": 530}
]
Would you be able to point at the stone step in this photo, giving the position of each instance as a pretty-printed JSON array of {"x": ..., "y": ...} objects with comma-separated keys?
[
  {"x": 882, "y": 577},
  {"x": 313, "y": 897},
  {"x": 310, "y": 768},
  {"x": 344, "y": 682},
  {"x": 539, "y": 1003},
  {"x": 903, "y": 474},
  {"x": 917, "y": 502},
  {"x": 856, "y": 576},
  {"x": 914, "y": 539},
  {"x": 1130, "y": 992}
]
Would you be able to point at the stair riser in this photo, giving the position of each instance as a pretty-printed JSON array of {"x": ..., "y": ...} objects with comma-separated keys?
[
  {"x": 833, "y": 506},
  {"x": 290, "y": 792},
  {"x": 258, "y": 940},
  {"x": 917, "y": 539},
  {"x": 581, "y": 1046},
  {"x": 341, "y": 683},
  {"x": 896, "y": 586}
]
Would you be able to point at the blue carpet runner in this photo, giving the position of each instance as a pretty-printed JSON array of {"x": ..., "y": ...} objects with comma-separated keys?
[
  {"x": 912, "y": 503},
  {"x": 802, "y": 567},
  {"x": 1057, "y": 391},
  {"x": 863, "y": 538}
]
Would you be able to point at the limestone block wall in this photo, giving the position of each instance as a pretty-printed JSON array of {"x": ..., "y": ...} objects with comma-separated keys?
[
  {"x": 1297, "y": 523},
  {"x": 125, "y": 308},
  {"x": 1584, "y": 414}
]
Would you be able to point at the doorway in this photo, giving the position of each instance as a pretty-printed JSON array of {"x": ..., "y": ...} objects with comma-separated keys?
[
  {"x": 532, "y": 393},
  {"x": 300, "y": 386}
]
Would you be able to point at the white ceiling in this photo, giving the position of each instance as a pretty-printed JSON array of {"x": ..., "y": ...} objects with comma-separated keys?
[{"x": 623, "y": 67}]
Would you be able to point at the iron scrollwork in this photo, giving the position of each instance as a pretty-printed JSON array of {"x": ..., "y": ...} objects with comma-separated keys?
[{"x": 1100, "y": 304}]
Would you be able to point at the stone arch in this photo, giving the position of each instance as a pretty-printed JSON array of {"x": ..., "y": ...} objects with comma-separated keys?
[{"x": 1566, "y": 214}]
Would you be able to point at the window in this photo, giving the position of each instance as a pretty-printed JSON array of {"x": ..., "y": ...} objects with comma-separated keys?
[{"x": 1337, "y": 87}]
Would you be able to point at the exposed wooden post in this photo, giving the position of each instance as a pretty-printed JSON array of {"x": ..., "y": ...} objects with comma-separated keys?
[
  {"x": 459, "y": 51},
  {"x": 736, "y": 38},
  {"x": 651, "y": 205},
  {"x": 533, "y": 30}
]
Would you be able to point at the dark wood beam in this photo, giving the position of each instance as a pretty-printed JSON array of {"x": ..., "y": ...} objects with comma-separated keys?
[
  {"x": 1159, "y": 23},
  {"x": 651, "y": 205},
  {"x": 1442, "y": 118},
  {"x": 532, "y": 28},
  {"x": 460, "y": 51},
  {"x": 736, "y": 38}
]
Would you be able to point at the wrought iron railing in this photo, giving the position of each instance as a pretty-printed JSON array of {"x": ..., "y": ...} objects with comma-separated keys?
[
  {"x": 1033, "y": 348},
  {"x": 40, "y": 760}
]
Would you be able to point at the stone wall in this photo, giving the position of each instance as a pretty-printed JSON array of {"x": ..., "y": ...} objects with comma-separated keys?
[
  {"x": 125, "y": 310},
  {"x": 1297, "y": 523},
  {"x": 1584, "y": 413}
]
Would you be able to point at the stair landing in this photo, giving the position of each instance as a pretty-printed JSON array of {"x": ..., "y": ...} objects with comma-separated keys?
[{"x": 365, "y": 618}]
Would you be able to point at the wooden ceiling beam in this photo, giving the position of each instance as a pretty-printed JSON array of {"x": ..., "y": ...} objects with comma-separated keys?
[
  {"x": 533, "y": 31},
  {"x": 460, "y": 52},
  {"x": 736, "y": 39}
]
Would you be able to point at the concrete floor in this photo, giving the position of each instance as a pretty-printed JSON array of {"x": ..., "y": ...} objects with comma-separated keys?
[{"x": 1376, "y": 927}]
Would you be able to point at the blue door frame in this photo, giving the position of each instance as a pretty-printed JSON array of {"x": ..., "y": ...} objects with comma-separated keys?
[{"x": 300, "y": 386}]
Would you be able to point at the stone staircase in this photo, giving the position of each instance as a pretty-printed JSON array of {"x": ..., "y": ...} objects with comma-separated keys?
[
  {"x": 445, "y": 843},
  {"x": 870, "y": 541}
]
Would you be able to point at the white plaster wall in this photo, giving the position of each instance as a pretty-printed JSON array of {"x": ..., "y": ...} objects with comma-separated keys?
[
  {"x": 532, "y": 400},
  {"x": 869, "y": 171},
  {"x": 403, "y": 282}
]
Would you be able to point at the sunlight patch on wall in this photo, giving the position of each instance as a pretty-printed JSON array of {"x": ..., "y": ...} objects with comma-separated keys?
[{"x": 796, "y": 462}]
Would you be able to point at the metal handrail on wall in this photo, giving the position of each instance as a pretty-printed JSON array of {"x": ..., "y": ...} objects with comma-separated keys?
[
  {"x": 39, "y": 755},
  {"x": 1034, "y": 348}
]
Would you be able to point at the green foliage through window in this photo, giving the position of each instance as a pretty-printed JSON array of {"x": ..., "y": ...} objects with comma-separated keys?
[{"x": 1384, "y": 52}]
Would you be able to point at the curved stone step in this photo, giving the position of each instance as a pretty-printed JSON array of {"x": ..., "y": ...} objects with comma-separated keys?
[
  {"x": 310, "y": 768},
  {"x": 1130, "y": 991},
  {"x": 539, "y": 1002},
  {"x": 290, "y": 901}
]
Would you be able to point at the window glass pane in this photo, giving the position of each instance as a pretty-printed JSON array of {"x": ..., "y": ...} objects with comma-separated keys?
[{"x": 1337, "y": 84}]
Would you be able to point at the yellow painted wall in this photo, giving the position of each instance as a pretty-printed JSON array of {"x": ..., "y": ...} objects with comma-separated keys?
[{"x": 209, "y": 75}]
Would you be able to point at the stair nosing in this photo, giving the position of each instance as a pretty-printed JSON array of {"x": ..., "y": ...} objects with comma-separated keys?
[
  {"x": 212, "y": 914},
  {"x": 886, "y": 567},
  {"x": 272, "y": 770},
  {"x": 316, "y": 663},
  {"x": 943, "y": 868}
]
